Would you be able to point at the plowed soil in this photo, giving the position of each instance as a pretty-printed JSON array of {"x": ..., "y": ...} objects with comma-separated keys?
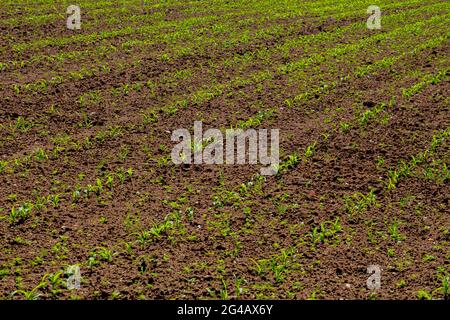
[{"x": 86, "y": 179}]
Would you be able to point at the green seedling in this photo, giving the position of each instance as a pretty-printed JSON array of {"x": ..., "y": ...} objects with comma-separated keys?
[{"x": 20, "y": 214}]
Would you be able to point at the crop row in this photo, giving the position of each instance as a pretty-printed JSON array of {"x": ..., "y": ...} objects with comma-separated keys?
[{"x": 141, "y": 85}]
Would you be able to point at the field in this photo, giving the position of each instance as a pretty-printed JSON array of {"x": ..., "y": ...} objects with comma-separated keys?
[{"x": 86, "y": 177}]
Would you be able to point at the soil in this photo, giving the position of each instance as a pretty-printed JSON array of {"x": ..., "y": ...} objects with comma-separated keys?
[{"x": 235, "y": 228}]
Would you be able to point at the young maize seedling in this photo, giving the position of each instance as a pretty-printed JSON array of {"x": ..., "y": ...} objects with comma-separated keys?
[
  {"x": 115, "y": 131},
  {"x": 56, "y": 282},
  {"x": 259, "y": 266},
  {"x": 109, "y": 181},
  {"x": 34, "y": 293},
  {"x": 16, "y": 89},
  {"x": 54, "y": 200},
  {"x": 40, "y": 203},
  {"x": 76, "y": 195},
  {"x": 359, "y": 202},
  {"x": 20, "y": 214},
  {"x": 345, "y": 127},
  {"x": 424, "y": 295},
  {"x": 190, "y": 214},
  {"x": 309, "y": 151},
  {"x": 394, "y": 232},
  {"x": 277, "y": 271},
  {"x": 3, "y": 165},
  {"x": 99, "y": 186},
  {"x": 40, "y": 155},
  {"x": 92, "y": 260},
  {"x": 105, "y": 254},
  {"x": 143, "y": 237},
  {"x": 22, "y": 124},
  {"x": 224, "y": 291},
  {"x": 29, "y": 295}
]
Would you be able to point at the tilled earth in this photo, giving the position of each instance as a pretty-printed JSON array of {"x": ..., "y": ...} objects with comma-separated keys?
[{"x": 85, "y": 143}]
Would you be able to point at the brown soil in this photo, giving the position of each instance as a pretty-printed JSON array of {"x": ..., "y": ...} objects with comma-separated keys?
[{"x": 232, "y": 236}]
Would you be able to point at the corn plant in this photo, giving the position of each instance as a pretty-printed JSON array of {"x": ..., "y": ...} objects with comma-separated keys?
[
  {"x": 29, "y": 295},
  {"x": 40, "y": 203},
  {"x": 105, "y": 254},
  {"x": 98, "y": 186},
  {"x": 3, "y": 165},
  {"x": 22, "y": 124},
  {"x": 143, "y": 236},
  {"x": 92, "y": 260},
  {"x": 34, "y": 293},
  {"x": 89, "y": 189},
  {"x": 54, "y": 199},
  {"x": 115, "y": 131},
  {"x": 123, "y": 152},
  {"x": 259, "y": 266},
  {"x": 109, "y": 181},
  {"x": 149, "y": 117},
  {"x": 326, "y": 230},
  {"x": 394, "y": 232},
  {"x": 56, "y": 281},
  {"x": 20, "y": 214},
  {"x": 290, "y": 163},
  {"x": 345, "y": 127},
  {"x": 158, "y": 229},
  {"x": 190, "y": 214},
  {"x": 309, "y": 151},
  {"x": 40, "y": 155},
  {"x": 424, "y": 295},
  {"x": 224, "y": 290},
  {"x": 359, "y": 202},
  {"x": 370, "y": 114},
  {"x": 76, "y": 195},
  {"x": 277, "y": 271},
  {"x": 16, "y": 89},
  {"x": 445, "y": 288}
]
